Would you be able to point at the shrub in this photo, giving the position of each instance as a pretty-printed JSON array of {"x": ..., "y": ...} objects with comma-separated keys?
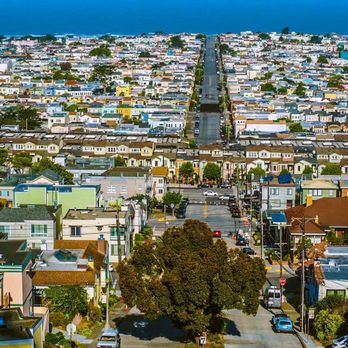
[
  {"x": 326, "y": 325},
  {"x": 54, "y": 338},
  {"x": 95, "y": 314},
  {"x": 58, "y": 319},
  {"x": 330, "y": 302},
  {"x": 216, "y": 341}
]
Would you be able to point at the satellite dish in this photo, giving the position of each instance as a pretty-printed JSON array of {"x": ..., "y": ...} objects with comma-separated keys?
[{"x": 71, "y": 329}]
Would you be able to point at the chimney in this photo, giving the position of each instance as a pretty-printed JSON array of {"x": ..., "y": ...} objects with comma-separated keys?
[
  {"x": 316, "y": 219},
  {"x": 101, "y": 246},
  {"x": 309, "y": 201}
]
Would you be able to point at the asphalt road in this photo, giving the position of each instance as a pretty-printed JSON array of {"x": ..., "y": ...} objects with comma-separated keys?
[{"x": 209, "y": 124}]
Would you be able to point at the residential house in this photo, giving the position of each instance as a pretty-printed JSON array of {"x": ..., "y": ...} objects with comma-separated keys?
[
  {"x": 317, "y": 189},
  {"x": 68, "y": 196},
  {"x": 159, "y": 181},
  {"x": 90, "y": 224},
  {"x": 39, "y": 225}
]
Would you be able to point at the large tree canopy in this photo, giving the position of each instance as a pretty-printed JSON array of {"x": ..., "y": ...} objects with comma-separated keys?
[
  {"x": 190, "y": 278},
  {"x": 46, "y": 163},
  {"x": 212, "y": 171}
]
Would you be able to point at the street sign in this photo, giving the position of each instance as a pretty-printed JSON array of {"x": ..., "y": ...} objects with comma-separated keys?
[
  {"x": 202, "y": 340},
  {"x": 71, "y": 329},
  {"x": 282, "y": 281},
  {"x": 311, "y": 312}
]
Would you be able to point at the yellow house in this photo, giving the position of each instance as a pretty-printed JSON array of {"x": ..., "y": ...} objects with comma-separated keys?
[
  {"x": 330, "y": 95},
  {"x": 179, "y": 162},
  {"x": 125, "y": 110},
  {"x": 123, "y": 91},
  {"x": 18, "y": 331}
]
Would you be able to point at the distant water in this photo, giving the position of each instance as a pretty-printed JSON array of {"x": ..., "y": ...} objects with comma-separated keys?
[{"x": 138, "y": 16}]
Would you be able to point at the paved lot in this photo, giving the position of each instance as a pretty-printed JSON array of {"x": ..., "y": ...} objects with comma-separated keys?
[{"x": 247, "y": 331}]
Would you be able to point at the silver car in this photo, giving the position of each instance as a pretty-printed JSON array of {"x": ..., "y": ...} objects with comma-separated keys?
[{"x": 110, "y": 338}]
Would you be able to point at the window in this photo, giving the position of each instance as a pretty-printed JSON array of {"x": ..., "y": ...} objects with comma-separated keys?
[
  {"x": 39, "y": 230},
  {"x": 114, "y": 250},
  {"x": 160, "y": 191},
  {"x": 274, "y": 191},
  {"x": 289, "y": 191},
  {"x": 4, "y": 193},
  {"x": 5, "y": 230},
  {"x": 113, "y": 232},
  {"x": 160, "y": 181},
  {"x": 298, "y": 168},
  {"x": 336, "y": 292},
  {"x": 331, "y": 192},
  {"x": 75, "y": 231},
  {"x": 124, "y": 190},
  {"x": 111, "y": 189}
]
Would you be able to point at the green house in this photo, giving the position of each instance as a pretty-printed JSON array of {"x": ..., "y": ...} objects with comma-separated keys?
[
  {"x": 316, "y": 189},
  {"x": 69, "y": 196}
]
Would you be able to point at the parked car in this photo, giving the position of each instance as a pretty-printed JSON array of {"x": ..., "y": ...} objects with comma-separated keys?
[
  {"x": 284, "y": 325},
  {"x": 217, "y": 234},
  {"x": 181, "y": 214},
  {"x": 204, "y": 185},
  {"x": 278, "y": 316},
  {"x": 224, "y": 197},
  {"x": 242, "y": 242},
  {"x": 340, "y": 342},
  {"x": 110, "y": 338},
  {"x": 248, "y": 251},
  {"x": 225, "y": 185},
  {"x": 210, "y": 193}
]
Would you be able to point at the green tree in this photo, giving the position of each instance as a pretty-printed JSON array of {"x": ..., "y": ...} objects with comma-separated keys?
[
  {"x": 127, "y": 79},
  {"x": 322, "y": 59},
  {"x": 307, "y": 245},
  {"x": 309, "y": 59},
  {"x": 268, "y": 87},
  {"x": 102, "y": 74},
  {"x": 315, "y": 39},
  {"x": 336, "y": 81},
  {"x": 284, "y": 171},
  {"x": 45, "y": 164},
  {"x": 191, "y": 279},
  {"x": 295, "y": 128},
  {"x": 119, "y": 161},
  {"x": 282, "y": 90},
  {"x": 256, "y": 172},
  {"x": 172, "y": 197},
  {"x": 20, "y": 161},
  {"x": 186, "y": 170},
  {"x": 285, "y": 30},
  {"x": 308, "y": 170},
  {"x": 193, "y": 144},
  {"x": 3, "y": 156},
  {"x": 176, "y": 42},
  {"x": 70, "y": 300},
  {"x": 331, "y": 303},
  {"x": 332, "y": 169},
  {"x": 24, "y": 117},
  {"x": 300, "y": 90},
  {"x": 212, "y": 171},
  {"x": 102, "y": 51},
  {"x": 145, "y": 54},
  {"x": 264, "y": 36},
  {"x": 326, "y": 325}
]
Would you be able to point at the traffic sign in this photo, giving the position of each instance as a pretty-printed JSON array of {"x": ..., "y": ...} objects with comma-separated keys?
[
  {"x": 71, "y": 329},
  {"x": 282, "y": 281},
  {"x": 202, "y": 340}
]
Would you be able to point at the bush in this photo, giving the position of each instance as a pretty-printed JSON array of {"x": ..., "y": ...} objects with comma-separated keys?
[
  {"x": 54, "y": 338},
  {"x": 326, "y": 325},
  {"x": 331, "y": 303},
  {"x": 58, "y": 319},
  {"x": 216, "y": 341},
  {"x": 95, "y": 314}
]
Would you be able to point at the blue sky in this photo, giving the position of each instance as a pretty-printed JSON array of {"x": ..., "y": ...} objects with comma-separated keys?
[{"x": 137, "y": 16}]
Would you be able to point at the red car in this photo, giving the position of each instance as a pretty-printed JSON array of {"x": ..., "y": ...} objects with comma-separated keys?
[{"x": 217, "y": 234}]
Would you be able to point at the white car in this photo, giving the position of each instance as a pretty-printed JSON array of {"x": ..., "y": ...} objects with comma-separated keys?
[
  {"x": 110, "y": 338},
  {"x": 340, "y": 342},
  {"x": 224, "y": 197},
  {"x": 210, "y": 193}
]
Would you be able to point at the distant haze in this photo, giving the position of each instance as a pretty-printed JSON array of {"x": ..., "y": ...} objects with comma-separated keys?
[{"x": 139, "y": 16}]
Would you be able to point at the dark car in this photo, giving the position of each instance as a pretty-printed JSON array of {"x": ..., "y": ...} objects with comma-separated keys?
[
  {"x": 248, "y": 251},
  {"x": 225, "y": 185},
  {"x": 242, "y": 242},
  {"x": 204, "y": 185},
  {"x": 181, "y": 214}
]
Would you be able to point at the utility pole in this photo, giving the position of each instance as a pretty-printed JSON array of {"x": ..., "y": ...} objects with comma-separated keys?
[
  {"x": 261, "y": 221},
  {"x": 118, "y": 236},
  {"x": 302, "y": 221},
  {"x": 107, "y": 323},
  {"x": 165, "y": 217},
  {"x": 281, "y": 263}
]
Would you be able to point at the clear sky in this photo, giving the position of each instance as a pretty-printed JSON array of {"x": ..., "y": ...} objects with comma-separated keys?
[{"x": 138, "y": 16}]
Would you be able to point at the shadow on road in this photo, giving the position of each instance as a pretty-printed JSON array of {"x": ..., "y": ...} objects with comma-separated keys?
[
  {"x": 138, "y": 326},
  {"x": 231, "y": 328}
]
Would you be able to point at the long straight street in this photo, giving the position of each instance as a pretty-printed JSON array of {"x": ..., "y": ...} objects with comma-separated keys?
[{"x": 209, "y": 128}]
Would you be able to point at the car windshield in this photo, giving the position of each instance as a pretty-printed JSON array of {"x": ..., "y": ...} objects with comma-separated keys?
[
  {"x": 283, "y": 322},
  {"x": 107, "y": 338},
  {"x": 274, "y": 294}
]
